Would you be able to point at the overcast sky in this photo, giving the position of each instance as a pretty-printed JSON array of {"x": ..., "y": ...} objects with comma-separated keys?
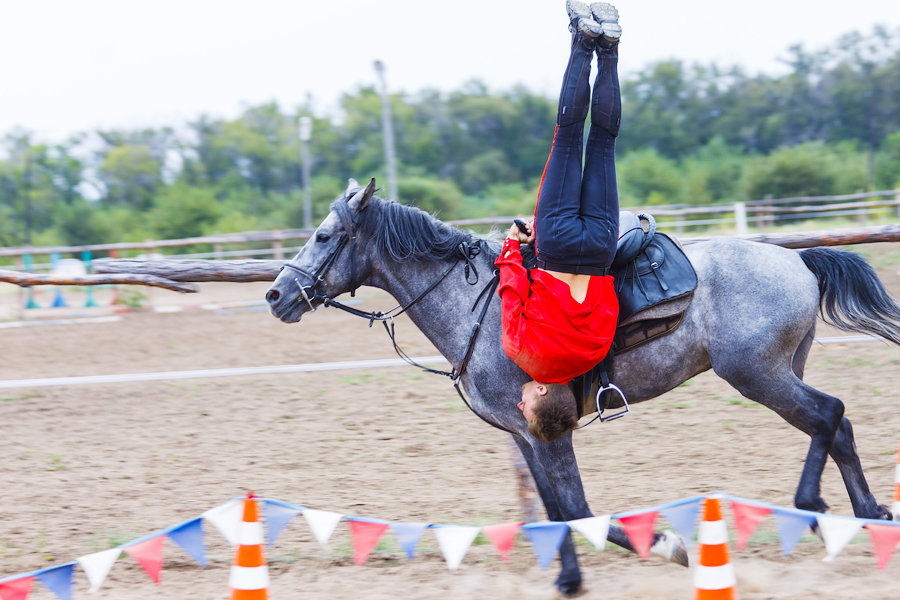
[{"x": 76, "y": 65}]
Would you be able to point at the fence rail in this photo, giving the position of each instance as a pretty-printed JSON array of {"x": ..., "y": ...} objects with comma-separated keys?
[{"x": 737, "y": 218}]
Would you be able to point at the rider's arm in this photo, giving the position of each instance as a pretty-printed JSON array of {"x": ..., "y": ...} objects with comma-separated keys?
[{"x": 514, "y": 281}]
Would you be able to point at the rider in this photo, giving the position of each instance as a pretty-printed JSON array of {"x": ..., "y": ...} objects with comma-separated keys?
[{"x": 559, "y": 319}]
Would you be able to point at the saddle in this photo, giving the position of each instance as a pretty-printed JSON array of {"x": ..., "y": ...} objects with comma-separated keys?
[{"x": 654, "y": 283}]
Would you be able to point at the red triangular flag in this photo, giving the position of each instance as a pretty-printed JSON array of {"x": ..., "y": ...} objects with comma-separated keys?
[
  {"x": 747, "y": 518},
  {"x": 149, "y": 555},
  {"x": 884, "y": 540},
  {"x": 365, "y": 538},
  {"x": 502, "y": 537},
  {"x": 17, "y": 589},
  {"x": 639, "y": 529}
]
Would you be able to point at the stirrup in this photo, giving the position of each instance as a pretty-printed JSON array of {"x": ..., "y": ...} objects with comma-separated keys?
[{"x": 611, "y": 387}]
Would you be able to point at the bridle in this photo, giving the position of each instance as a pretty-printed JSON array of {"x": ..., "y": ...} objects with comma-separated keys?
[{"x": 466, "y": 253}]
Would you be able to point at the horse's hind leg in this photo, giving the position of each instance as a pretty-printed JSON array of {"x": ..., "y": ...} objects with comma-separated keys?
[
  {"x": 815, "y": 413},
  {"x": 843, "y": 451}
]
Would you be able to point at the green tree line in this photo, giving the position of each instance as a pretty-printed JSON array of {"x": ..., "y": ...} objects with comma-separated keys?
[{"x": 691, "y": 134}]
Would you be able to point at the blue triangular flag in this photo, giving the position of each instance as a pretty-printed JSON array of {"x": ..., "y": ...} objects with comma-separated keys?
[
  {"x": 58, "y": 581},
  {"x": 409, "y": 534},
  {"x": 684, "y": 519},
  {"x": 546, "y": 538},
  {"x": 791, "y": 526},
  {"x": 277, "y": 517},
  {"x": 189, "y": 536}
]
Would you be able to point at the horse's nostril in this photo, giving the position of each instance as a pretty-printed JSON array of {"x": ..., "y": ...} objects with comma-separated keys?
[{"x": 272, "y": 295}]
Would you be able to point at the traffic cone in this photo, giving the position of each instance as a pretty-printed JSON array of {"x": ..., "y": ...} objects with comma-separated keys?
[
  {"x": 896, "y": 508},
  {"x": 714, "y": 577},
  {"x": 249, "y": 574}
]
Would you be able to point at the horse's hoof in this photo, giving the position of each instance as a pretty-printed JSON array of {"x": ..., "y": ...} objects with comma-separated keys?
[
  {"x": 671, "y": 547},
  {"x": 569, "y": 589}
]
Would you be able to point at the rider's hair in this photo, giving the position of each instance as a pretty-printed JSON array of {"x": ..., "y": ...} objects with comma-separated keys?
[{"x": 554, "y": 414}]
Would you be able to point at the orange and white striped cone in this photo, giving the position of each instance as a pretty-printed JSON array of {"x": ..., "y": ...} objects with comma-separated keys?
[
  {"x": 714, "y": 577},
  {"x": 896, "y": 508},
  {"x": 249, "y": 574}
]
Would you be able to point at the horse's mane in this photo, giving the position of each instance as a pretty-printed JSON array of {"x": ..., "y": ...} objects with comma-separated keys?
[{"x": 403, "y": 233}]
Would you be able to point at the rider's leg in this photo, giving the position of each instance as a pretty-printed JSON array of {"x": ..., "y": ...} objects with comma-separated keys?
[
  {"x": 599, "y": 194},
  {"x": 559, "y": 198}
]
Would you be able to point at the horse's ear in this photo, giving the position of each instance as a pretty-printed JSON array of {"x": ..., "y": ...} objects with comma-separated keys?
[
  {"x": 361, "y": 199},
  {"x": 352, "y": 187}
]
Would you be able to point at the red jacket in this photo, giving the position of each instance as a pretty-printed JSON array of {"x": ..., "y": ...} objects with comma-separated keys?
[{"x": 546, "y": 332}]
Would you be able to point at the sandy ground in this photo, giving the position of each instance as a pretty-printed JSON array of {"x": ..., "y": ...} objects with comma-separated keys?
[{"x": 89, "y": 467}]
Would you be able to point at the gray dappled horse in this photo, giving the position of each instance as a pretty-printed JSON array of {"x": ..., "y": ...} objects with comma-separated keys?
[{"x": 752, "y": 320}]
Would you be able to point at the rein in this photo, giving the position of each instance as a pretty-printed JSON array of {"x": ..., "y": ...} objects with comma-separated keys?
[{"x": 467, "y": 253}]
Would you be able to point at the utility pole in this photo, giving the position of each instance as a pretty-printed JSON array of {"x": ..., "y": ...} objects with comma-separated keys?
[
  {"x": 305, "y": 135},
  {"x": 388, "y": 129}
]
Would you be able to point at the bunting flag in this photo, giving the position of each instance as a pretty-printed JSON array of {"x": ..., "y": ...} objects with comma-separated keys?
[
  {"x": 594, "y": 529},
  {"x": 409, "y": 534},
  {"x": 454, "y": 541},
  {"x": 639, "y": 529},
  {"x": 791, "y": 526},
  {"x": 58, "y": 580},
  {"x": 502, "y": 537},
  {"x": 365, "y": 535},
  {"x": 189, "y": 537},
  {"x": 17, "y": 589},
  {"x": 227, "y": 519},
  {"x": 322, "y": 523},
  {"x": 884, "y": 541},
  {"x": 277, "y": 516},
  {"x": 683, "y": 518},
  {"x": 97, "y": 565},
  {"x": 837, "y": 533},
  {"x": 546, "y": 537},
  {"x": 747, "y": 518},
  {"x": 148, "y": 554}
]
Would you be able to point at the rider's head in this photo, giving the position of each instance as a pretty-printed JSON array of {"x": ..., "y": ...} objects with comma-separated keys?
[{"x": 549, "y": 408}]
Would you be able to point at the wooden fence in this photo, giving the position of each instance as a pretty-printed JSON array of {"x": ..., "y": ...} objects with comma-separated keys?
[{"x": 741, "y": 218}]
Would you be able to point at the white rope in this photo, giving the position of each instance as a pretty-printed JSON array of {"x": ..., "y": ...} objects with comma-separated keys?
[{"x": 201, "y": 374}]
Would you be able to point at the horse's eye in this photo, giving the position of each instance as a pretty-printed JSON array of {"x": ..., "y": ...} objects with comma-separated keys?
[{"x": 322, "y": 237}]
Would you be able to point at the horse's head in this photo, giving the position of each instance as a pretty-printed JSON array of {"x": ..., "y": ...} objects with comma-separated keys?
[{"x": 327, "y": 265}]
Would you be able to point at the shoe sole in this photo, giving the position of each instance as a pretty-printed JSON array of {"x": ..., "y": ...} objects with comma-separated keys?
[
  {"x": 590, "y": 27},
  {"x": 578, "y": 10},
  {"x": 608, "y": 16}
]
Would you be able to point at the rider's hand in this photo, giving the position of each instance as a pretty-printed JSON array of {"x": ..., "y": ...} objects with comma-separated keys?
[{"x": 516, "y": 234}]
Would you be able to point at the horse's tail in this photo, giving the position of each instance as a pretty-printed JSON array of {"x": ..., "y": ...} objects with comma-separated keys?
[{"x": 852, "y": 296}]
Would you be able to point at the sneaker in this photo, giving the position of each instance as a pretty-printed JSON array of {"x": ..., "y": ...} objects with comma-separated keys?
[
  {"x": 577, "y": 10},
  {"x": 607, "y": 16},
  {"x": 580, "y": 19}
]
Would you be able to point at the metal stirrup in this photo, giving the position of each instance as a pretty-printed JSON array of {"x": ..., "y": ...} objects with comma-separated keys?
[{"x": 611, "y": 387}]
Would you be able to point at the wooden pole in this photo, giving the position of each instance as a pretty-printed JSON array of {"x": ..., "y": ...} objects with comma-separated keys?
[{"x": 31, "y": 279}]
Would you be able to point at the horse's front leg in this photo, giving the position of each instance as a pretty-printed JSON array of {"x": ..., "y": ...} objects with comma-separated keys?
[{"x": 558, "y": 482}]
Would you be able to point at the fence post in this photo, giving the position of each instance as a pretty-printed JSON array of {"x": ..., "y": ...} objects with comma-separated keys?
[
  {"x": 278, "y": 246},
  {"x": 740, "y": 217},
  {"x": 217, "y": 250},
  {"x": 897, "y": 199}
]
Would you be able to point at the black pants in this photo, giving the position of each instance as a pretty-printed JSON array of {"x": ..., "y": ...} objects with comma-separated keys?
[{"x": 577, "y": 214}]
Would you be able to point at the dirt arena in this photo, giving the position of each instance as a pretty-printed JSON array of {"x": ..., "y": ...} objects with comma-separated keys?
[{"x": 86, "y": 468}]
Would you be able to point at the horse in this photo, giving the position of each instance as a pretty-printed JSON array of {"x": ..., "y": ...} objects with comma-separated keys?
[{"x": 752, "y": 320}]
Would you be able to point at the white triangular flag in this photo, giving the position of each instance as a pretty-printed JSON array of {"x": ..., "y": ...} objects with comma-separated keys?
[
  {"x": 454, "y": 541},
  {"x": 837, "y": 533},
  {"x": 97, "y": 565},
  {"x": 594, "y": 529},
  {"x": 227, "y": 519},
  {"x": 322, "y": 523}
]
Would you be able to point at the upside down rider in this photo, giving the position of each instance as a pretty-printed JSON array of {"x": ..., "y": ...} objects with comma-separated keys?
[{"x": 559, "y": 319}]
